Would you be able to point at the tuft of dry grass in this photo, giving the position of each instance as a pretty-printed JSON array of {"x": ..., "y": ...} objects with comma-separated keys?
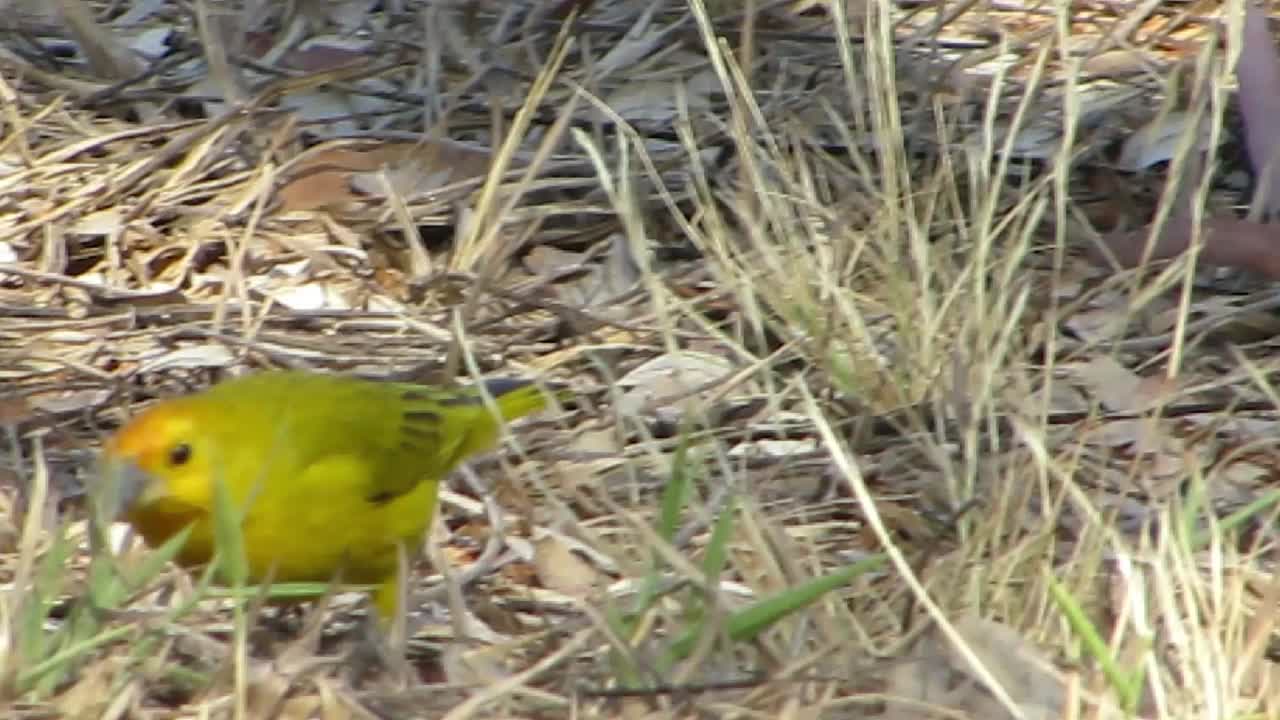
[{"x": 859, "y": 431}]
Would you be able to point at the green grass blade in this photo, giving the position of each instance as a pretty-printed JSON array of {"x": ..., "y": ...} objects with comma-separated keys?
[
  {"x": 231, "y": 561},
  {"x": 749, "y": 622},
  {"x": 36, "y": 642},
  {"x": 623, "y": 626},
  {"x": 675, "y": 495},
  {"x": 49, "y": 671},
  {"x": 1240, "y": 517},
  {"x": 1127, "y": 683},
  {"x": 283, "y": 591},
  {"x": 717, "y": 553},
  {"x": 156, "y": 560}
]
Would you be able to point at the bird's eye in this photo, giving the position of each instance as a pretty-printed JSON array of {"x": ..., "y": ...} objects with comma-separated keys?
[{"x": 179, "y": 454}]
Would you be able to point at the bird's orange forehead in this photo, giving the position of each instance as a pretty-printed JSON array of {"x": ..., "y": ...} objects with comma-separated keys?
[{"x": 147, "y": 438}]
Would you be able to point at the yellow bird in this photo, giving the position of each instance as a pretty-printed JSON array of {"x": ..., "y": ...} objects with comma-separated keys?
[{"x": 332, "y": 474}]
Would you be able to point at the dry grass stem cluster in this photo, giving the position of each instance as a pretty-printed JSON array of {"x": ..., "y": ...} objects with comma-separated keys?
[{"x": 862, "y": 425}]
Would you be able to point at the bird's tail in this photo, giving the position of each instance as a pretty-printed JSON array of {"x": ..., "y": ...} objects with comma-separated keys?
[
  {"x": 473, "y": 426},
  {"x": 515, "y": 397}
]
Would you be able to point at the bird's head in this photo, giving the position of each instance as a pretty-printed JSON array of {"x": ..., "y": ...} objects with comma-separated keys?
[{"x": 155, "y": 470}]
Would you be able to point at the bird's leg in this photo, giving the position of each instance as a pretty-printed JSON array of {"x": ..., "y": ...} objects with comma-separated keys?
[{"x": 383, "y": 637}]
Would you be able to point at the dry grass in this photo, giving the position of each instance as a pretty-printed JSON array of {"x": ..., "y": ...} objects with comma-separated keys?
[{"x": 875, "y": 333}]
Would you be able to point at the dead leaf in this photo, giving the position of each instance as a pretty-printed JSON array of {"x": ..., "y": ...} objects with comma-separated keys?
[
  {"x": 301, "y": 707},
  {"x": 636, "y": 44},
  {"x": 432, "y": 164},
  {"x": 267, "y": 689},
  {"x": 62, "y": 401},
  {"x": 1227, "y": 242},
  {"x": 670, "y": 381},
  {"x": 597, "y": 286},
  {"x": 109, "y": 58},
  {"x": 655, "y": 100},
  {"x": 102, "y": 222},
  {"x": 562, "y": 569},
  {"x": 1158, "y": 140},
  {"x": 938, "y": 675},
  {"x": 327, "y": 175},
  {"x": 478, "y": 667},
  {"x": 207, "y": 355},
  {"x": 1117, "y": 63},
  {"x": 313, "y": 295},
  {"x": 1118, "y": 388},
  {"x": 326, "y": 52},
  {"x": 1258, "y": 72},
  {"x": 14, "y": 409},
  {"x": 94, "y": 689}
]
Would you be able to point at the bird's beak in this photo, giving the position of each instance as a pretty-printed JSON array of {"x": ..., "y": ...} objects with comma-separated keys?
[{"x": 125, "y": 486}]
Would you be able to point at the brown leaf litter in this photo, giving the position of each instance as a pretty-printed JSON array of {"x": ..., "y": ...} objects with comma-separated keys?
[{"x": 768, "y": 285}]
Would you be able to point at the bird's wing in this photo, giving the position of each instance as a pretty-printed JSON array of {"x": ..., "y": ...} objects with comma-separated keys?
[
  {"x": 412, "y": 433},
  {"x": 439, "y": 428},
  {"x": 423, "y": 436}
]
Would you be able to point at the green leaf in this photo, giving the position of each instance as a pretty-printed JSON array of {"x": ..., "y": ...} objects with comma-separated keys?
[
  {"x": 623, "y": 626},
  {"x": 35, "y": 643},
  {"x": 1127, "y": 683},
  {"x": 717, "y": 554},
  {"x": 155, "y": 561},
  {"x": 674, "y": 497},
  {"x": 282, "y": 591},
  {"x": 230, "y": 557},
  {"x": 749, "y": 622},
  {"x": 676, "y": 494},
  {"x": 60, "y": 663},
  {"x": 1245, "y": 514}
]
